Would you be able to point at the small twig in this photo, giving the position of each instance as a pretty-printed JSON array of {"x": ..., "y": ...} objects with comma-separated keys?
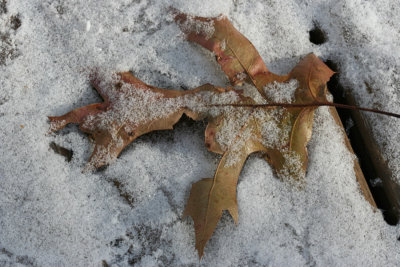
[{"x": 315, "y": 104}]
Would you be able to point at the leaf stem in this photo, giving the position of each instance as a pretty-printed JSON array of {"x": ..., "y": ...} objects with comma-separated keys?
[{"x": 314, "y": 104}]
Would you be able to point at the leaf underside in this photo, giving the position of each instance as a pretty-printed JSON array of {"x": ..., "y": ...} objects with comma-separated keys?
[{"x": 132, "y": 108}]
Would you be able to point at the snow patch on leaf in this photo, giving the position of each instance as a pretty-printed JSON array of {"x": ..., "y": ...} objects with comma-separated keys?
[{"x": 282, "y": 92}]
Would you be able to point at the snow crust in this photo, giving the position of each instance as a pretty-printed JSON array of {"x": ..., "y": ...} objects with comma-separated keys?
[{"x": 52, "y": 214}]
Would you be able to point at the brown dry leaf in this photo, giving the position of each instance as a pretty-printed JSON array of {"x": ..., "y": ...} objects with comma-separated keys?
[{"x": 132, "y": 108}]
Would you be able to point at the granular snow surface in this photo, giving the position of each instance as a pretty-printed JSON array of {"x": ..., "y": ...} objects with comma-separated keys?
[{"x": 52, "y": 214}]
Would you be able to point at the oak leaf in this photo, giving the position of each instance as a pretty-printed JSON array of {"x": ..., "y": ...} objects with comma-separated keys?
[{"x": 237, "y": 126}]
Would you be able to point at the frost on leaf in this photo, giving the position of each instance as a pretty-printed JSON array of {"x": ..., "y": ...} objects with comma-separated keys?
[{"x": 236, "y": 128}]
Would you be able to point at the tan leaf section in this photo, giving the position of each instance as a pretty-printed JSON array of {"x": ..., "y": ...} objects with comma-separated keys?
[
  {"x": 237, "y": 56},
  {"x": 312, "y": 75},
  {"x": 210, "y": 197}
]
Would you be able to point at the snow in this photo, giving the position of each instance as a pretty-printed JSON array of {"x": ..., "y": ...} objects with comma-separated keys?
[
  {"x": 281, "y": 92},
  {"x": 205, "y": 28},
  {"x": 52, "y": 214}
]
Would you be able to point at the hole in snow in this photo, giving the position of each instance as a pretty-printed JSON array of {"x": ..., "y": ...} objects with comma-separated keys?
[{"x": 317, "y": 36}]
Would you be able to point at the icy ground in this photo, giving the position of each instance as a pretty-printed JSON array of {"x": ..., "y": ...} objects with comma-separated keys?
[{"x": 51, "y": 214}]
